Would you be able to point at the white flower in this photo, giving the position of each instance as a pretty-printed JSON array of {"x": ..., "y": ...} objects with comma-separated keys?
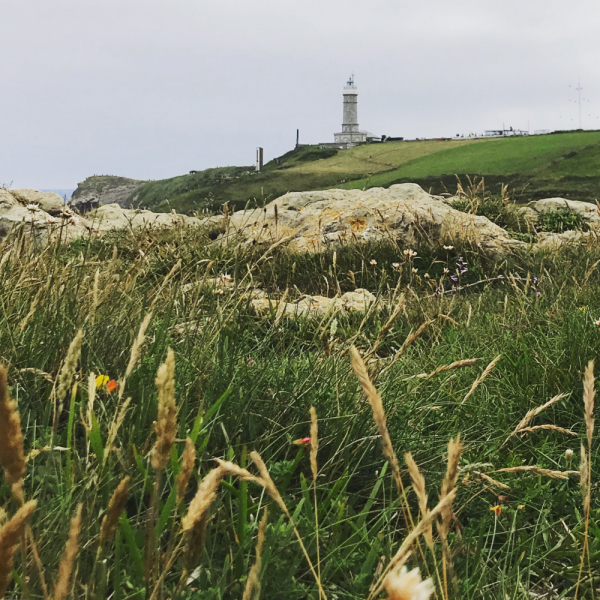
[
  {"x": 414, "y": 270},
  {"x": 402, "y": 584},
  {"x": 446, "y": 271},
  {"x": 32, "y": 207},
  {"x": 373, "y": 262},
  {"x": 219, "y": 292},
  {"x": 597, "y": 323},
  {"x": 448, "y": 247},
  {"x": 426, "y": 275},
  {"x": 67, "y": 213},
  {"x": 568, "y": 455},
  {"x": 51, "y": 219},
  {"x": 410, "y": 253},
  {"x": 73, "y": 220},
  {"x": 396, "y": 266}
]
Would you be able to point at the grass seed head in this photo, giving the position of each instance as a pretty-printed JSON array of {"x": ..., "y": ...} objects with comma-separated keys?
[
  {"x": 166, "y": 422},
  {"x": 402, "y": 584},
  {"x": 10, "y": 533},
  {"x": 589, "y": 394},
  {"x": 69, "y": 368},
  {"x": 205, "y": 496},
  {"x": 116, "y": 506},
  {"x": 12, "y": 454},
  {"x": 314, "y": 443},
  {"x": 67, "y": 562},
  {"x": 187, "y": 466}
]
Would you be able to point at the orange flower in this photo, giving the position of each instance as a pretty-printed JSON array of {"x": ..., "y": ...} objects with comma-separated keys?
[
  {"x": 302, "y": 441},
  {"x": 497, "y": 510},
  {"x": 111, "y": 386}
]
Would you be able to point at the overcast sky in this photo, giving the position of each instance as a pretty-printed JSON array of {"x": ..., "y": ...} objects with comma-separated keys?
[{"x": 153, "y": 88}]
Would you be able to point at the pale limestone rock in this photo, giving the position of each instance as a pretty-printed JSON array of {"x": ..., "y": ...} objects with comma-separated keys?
[
  {"x": 312, "y": 221},
  {"x": 317, "y": 306},
  {"x": 48, "y": 201},
  {"x": 37, "y": 222},
  {"x": 587, "y": 210},
  {"x": 112, "y": 216}
]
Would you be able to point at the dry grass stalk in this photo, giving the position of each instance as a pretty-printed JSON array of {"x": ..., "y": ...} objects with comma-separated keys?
[
  {"x": 170, "y": 274},
  {"x": 12, "y": 454},
  {"x": 314, "y": 448},
  {"x": 492, "y": 481},
  {"x": 480, "y": 379},
  {"x": 136, "y": 349},
  {"x": 585, "y": 468},
  {"x": 418, "y": 482},
  {"x": 67, "y": 562},
  {"x": 388, "y": 325},
  {"x": 116, "y": 425},
  {"x": 27, "y": 319},
  {"x": 237, "y": 471},
  {"x": 188, "y": 459},
  {"x": 87, "y": 421},
  {"x": 548, "y": 428},
  {"x": 532, "y": 413},
  {"x": 95, "y": 295},
  {"x": 378, "y": 416},
  {"x": 459, "y": 364},
  {"x": 588, "y": 401},
  {"x": 205, "y": 496},
  {"x": 410, "y": 539},
  {"x": 271, "y": 489},
  {"x": 281, "y": 306},
  {"x": 536, "y": 471},
  {"x": 10, "y": 534},
  {"x": 314, "y": 443},
  {"x": 116, "y": 506},
  {"x": 67, "y": 373},
  {"x": 166, "y": 421},
  {"x": 252, "y": 589},
  {"x": 449, "y": 486},
  {"x": 410, "y": 339}
]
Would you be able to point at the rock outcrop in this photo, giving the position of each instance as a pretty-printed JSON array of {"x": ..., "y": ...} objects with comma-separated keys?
[
  {"x": 312, "y": 221},
  {"x": 105, "y": 189},
  {"x": 48, "y": 201}
]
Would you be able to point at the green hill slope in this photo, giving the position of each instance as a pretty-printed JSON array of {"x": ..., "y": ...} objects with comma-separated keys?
[{"x": 565, "y": 164}]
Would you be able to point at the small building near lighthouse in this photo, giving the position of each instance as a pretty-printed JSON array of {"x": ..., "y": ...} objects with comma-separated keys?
[{"x": 351, "y": 135}]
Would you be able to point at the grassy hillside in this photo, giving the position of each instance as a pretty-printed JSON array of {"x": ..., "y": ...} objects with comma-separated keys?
[
  {"x": 564, "y": 164},
  {"x": 239, "y": 382}
]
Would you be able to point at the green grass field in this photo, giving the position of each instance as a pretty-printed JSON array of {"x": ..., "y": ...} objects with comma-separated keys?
[
  {"x": 245, "y": 382},
  {"x": 562, "y": 164}
]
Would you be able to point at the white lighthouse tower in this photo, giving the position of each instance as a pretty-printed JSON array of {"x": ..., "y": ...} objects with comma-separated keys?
[{"x": 350, "y": 135}]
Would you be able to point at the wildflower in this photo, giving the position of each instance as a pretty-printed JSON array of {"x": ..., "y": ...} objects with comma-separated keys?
[
  {"x": 454, "y": 277},
  {"x": 101, "y": 381},
  {"x": 535, "y": 280},
  {"x": 448, "y": 247},
  {"x": 219, "y": 292},
  {"x": 226, "y": 277},
  {"x": 410, "y": 253},
  {"x": 73, "y": 221},
  {"x": 597, "y": 322},
  {"x": 302, "y": 441},
  {"x": 582, "y": 308},
  {"x": 538, "y": 294},
  {"x": 521, "y": 506},
  {"x": 402, "y": 584},
  {"x": 373, "y": 262},
  {"x": 568, "y": 455},
  {"x": 396, "y": 266},
  {"x": 426, "y": 275},
  {"x": 51, "y": 220},
  {"x": 32, "y": 207},
  {"x": 496, "y": 509},
  {"x": 111, "y": 386},
  {"x": 414, "y": 270},
  {"x": 438, "y": 291},
  {"x": 446, "y": 270}
]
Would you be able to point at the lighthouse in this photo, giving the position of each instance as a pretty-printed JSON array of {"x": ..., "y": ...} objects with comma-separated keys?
[{"x": 350, "y": 135}]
